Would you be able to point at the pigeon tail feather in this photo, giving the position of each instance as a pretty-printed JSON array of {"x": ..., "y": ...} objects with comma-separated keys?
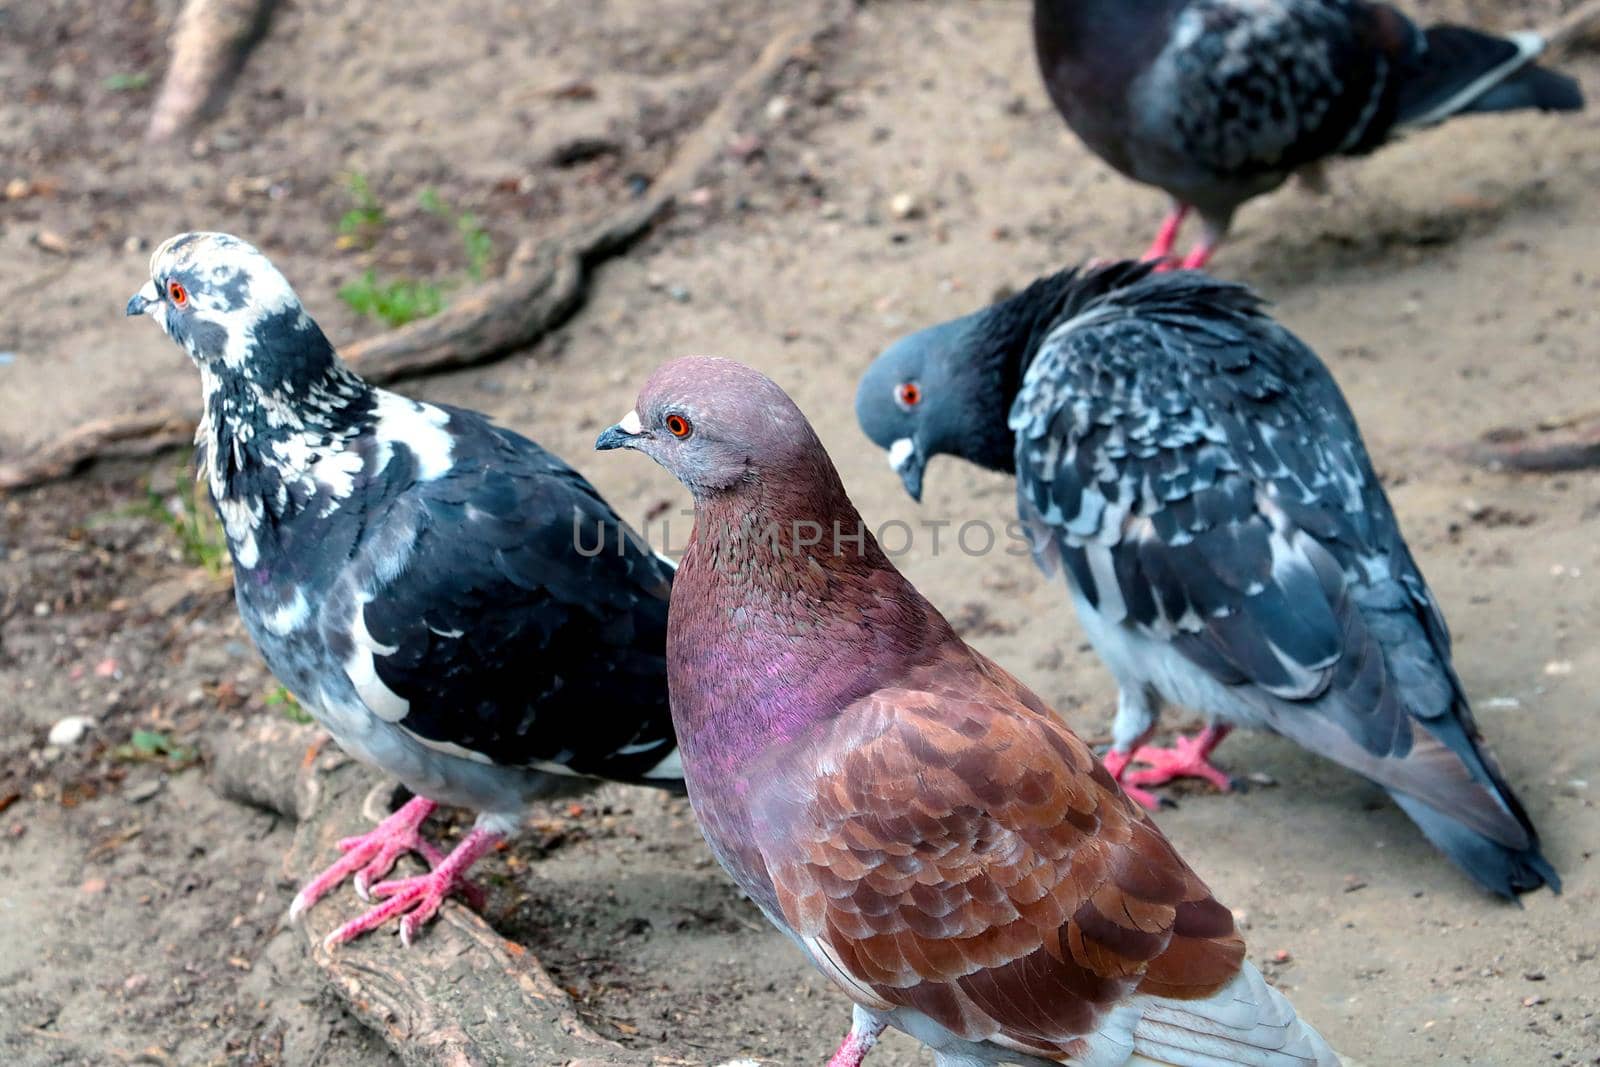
[
  {"x": 1246, "y": 1022},
  {"x": 1500, "y": 868},
  {"x": 1462, "y": 71}
]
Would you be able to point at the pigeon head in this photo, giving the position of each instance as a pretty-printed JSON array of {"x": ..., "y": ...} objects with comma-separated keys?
[
  {"x": 947, "y": 389},
  {"x": 911, "y": 400},
  {"x": 718, "y": 427},
  {"x": 226, "y": 305}
]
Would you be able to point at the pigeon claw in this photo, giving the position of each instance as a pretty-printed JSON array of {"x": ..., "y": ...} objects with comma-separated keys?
[
  {"x": 370, "y": 855},
  {"x": 415, "y": 901},
  {"x": 1189, "y": 757},
  {"x": 1146, "y": 799},
  {"x": 1117, "y": 763}
]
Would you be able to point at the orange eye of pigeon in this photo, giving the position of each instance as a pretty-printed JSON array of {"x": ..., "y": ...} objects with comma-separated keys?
[
  {"x": 177, "y": 294},
  {"x": 678, "y": 426},
  {"x": 909, "y": 394}
]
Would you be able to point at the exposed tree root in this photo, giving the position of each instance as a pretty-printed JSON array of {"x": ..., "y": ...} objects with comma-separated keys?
[
  {"x": 542, "y": 288},
  {"x": 461, "y": 995},
  {"x": 210, "y": 42},
  {"x": 1561, "y": 445},
  {"x": 1577, "y": 29}
]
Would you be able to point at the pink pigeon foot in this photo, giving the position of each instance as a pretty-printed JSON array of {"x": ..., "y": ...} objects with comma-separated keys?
[
  {"x": 1117, "y": 763},
  {"x": 1160, "y": 250},
  {"x": 369, "y": 856},
  {"x": 1189, "y": 757},
  {"x": 863, "y": 1035},
  {"x": 1199, "y": 255},
  {"x": 418, "y": 899}
]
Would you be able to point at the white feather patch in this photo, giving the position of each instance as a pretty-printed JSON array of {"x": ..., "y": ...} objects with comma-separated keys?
[
  {"x": 1244, "y": 1022},
  {"x": 670, "y": 767},
  {"x": 419, "y": 427},
  {"x": 362, "y": 669},
  {"x": 449, "y": 748},
  {"x": 289, "y": 617},
  {"x": 829, "y": 965}
]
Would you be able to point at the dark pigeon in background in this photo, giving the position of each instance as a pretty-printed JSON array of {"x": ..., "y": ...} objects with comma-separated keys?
[
  {"x": 928, "y": 831},
  {"x": 1193, "y": 469},
  {"x": 1218, "y": 101},
  {"x": 431, "y": 587}
]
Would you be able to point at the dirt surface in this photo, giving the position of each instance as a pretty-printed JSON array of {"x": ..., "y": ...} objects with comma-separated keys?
[{"x": 1450, "y": 282}]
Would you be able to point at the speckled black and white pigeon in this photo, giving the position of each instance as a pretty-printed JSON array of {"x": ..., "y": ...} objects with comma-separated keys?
[
  {"x": 453, "y": 603},
  {"x": 1193, "y": 469},
  {"x": 1219, "y": 101}
]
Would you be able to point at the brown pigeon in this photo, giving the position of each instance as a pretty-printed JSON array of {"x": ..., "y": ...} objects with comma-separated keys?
[{"x": 923, "y": 826}]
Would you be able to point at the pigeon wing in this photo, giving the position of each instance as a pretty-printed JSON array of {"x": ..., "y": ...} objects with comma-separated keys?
[
  {"x": 949, "y": 849},
  {"x": 517, "y": 617},
  {"x": 1252, "y": 88},
  {"x": 1194, "y": 468}
]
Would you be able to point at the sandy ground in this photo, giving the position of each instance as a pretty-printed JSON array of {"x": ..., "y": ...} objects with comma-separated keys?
[{"x": 1450, "y": 283}]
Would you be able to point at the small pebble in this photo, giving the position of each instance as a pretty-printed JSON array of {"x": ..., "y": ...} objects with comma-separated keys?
[
  {"x": 904, "y": 206},
  {"x": 70, "y": 731},
  {"x": 1283, "y": 955},
  {"x": 52, "y": 242}
]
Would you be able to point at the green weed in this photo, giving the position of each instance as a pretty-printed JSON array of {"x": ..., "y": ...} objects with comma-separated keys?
[
  {"x": 395, "y": 302},
  {"x": 398, "y": 301},
  {"x": 288, "y": 705},
  {"x": 128, "y": 83},
  {"x": 188, "y": 515},
  {"x": 477, "y": 243},
  {"x": 148, "y": 746},
  {"x": 364, "y": 222}
]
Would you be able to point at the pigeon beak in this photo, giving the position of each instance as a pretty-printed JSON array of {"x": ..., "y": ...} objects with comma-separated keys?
[
  {"x": 142, "y": 301},
  {"x": 908, "y": 462},
  {"x": 623, "y": 435}
]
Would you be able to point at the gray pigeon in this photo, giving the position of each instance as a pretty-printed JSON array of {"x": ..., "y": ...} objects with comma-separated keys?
[
  {"x": 1218, "y": 101},
  {"x": 1193, "y": 469},
  {"x": 453, "y": 603}
]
